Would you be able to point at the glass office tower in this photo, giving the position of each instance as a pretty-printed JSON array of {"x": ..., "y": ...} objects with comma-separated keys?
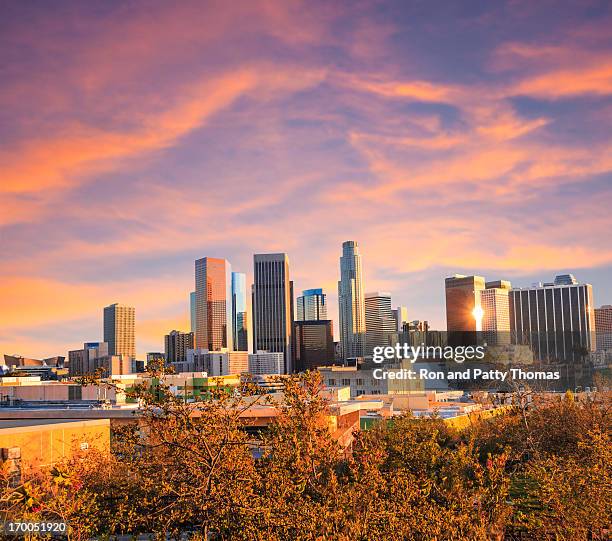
[
  {"x": 312, "y": 305},
  {"x": 239, "y": 312},
  {"x": 351, "y": 302},
  {"x": 213, "y": 290},
  {"x": 273, "y": 306},
  {"x": 380, "y": 323}
]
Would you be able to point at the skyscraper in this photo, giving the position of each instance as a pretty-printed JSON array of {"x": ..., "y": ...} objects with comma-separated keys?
[
  {"x": 119, "y": 333},
  {"x": 400, "y": 315},
  {"x": 176, "y": 345},
  {"x": 603, "y": 327},
  {"x": 314, "y": 341},
  {"x": 495, "y": 304},
  {"x": 312, "y": 305},
  {"x": 380, "y": 323},
  {"x": 556, "y": 319},
  {"x": 351, "y": 305},
  {"x": 463, "y": 308},
  {"x": 192, "y": 311},
  {"x": 239, "y": 312},
  {"x": 213, "y": 288},
  {"x": 273, "y": 306}
]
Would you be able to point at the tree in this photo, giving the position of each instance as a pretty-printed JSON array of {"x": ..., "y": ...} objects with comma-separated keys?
[{"x": 537, "y": 472}]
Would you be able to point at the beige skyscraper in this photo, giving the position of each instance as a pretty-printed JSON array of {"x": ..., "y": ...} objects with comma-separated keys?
[
  {"x": 603, "y": 327},
  {"x": 495, "y": 304},
  {"x": 380, "y": 323},
  {"x": 119, "y": 330}
]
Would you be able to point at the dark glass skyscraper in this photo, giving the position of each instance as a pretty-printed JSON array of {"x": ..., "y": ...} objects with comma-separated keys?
[
  {"x": 314, "y": 344},
  {"x": 176, "y": 345},
  {"x": 273, "y": 306},
  {"x": 463, "y": 308}
]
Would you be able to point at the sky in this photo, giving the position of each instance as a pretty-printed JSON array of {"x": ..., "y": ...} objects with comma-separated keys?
[{"x": 445, "y": 137}]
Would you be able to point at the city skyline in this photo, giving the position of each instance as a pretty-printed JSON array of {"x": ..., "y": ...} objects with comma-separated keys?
[
  {"x": 333, "y": 316},
  {"x": 450, "y": 140}
]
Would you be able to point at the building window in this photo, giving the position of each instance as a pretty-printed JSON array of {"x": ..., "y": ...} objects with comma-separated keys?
[
  {"x": 346, "y": 382},
  {"x": 359, "y": 381},
  {"x": 331, "y": 382},
  {"x": 360, "y": 392}
]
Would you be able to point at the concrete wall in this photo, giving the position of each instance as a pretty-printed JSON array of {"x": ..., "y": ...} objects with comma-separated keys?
[
  {"x": 55, "y": 391},
  {"x": 46, "y": 443}
]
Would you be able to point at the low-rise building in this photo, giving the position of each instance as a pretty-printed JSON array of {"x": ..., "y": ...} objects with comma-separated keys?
[
  {"x": 39, "y": 443},
  {"x": 216, "y": 363},
  {"x": 364, "y": 381},
  {"x": 266, "y": 362}
]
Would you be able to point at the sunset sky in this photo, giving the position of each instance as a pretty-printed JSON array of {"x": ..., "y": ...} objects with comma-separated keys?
[{"x": 135, "y": 137}]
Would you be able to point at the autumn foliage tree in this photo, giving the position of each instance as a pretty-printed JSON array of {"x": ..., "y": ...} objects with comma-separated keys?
[{"x": 189, "y": 467}]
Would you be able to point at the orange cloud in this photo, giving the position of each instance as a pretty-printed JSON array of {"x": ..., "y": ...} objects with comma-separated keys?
[
  {"x": 83, "y": 149},
  {"x": 595, "y": 79},
  {"x": 411, "y": 89}
]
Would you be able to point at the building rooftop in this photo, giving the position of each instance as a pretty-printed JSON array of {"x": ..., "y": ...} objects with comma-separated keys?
[
  {"x": 14, "y": 423},
  {"x": 33, "y": 425}
]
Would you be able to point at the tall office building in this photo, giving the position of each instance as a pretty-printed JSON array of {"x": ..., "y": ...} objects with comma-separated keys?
[
  {"x": 312, "y": 305},
  {"x": 495, "y": 304},
  {"x": 400, "y": 316},
  {"x": 239, "y": 312},
  {"x": 176, "y": 345},
  {"x": 380, "y": 323},
  {"x": 463, "y": 308},
  {"x": 119, "y": 333},
  {"x": 273, "y": 306},
  {"x": 603, "y": 327},
  {"x": 556, "y": 319},
  {"x": 314, "y": 344},
  {"x": 351, "y": 303},
  {"x": 192, "y": 312},
  {"x": 213, "y": 288}
]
